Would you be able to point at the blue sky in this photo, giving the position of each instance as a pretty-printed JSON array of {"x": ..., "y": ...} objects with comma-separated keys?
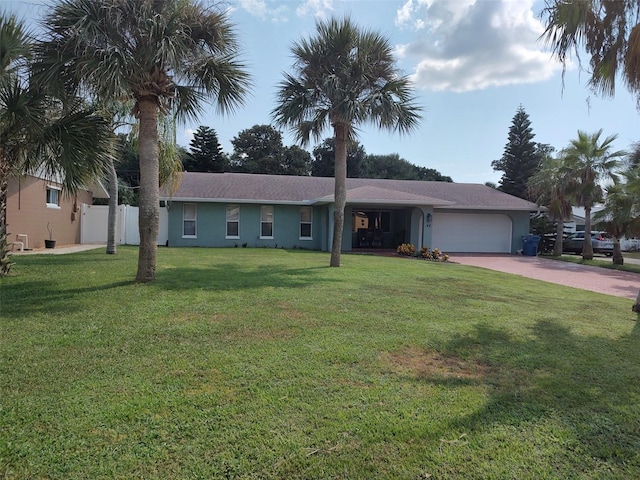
[{"x": 473, "y": 63}]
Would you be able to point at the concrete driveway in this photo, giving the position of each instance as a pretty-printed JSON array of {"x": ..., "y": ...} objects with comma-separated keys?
[{"x": 595, "y": 279}]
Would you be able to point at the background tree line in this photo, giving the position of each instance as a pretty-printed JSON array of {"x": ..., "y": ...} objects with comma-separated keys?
[{"x": 260, "y": 149}]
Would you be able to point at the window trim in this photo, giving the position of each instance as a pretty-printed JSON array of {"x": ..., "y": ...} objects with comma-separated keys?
[
  {"x": 194, "y": 220},
  {"x": 227, "y": 221},
  {"x": 53, "y": 188},
  {"x": 310, "y": 223},
  {"x": 272, "y": 222}
]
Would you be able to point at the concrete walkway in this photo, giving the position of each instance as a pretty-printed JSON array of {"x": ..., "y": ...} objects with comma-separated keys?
[
  {"x": 586, "y": 277},
  {"x": 59, "y": 250}
]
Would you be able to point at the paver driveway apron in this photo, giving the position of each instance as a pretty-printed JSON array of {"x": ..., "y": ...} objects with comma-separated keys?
[{"x": 586, "y": 277}]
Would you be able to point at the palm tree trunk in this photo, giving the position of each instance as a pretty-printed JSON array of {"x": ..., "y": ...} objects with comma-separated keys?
[
  {"x": 557, "y": 247},
  {"x": 587, "y": 248},
  {"x": 5, "y": 263},
  {"x": 636, "y": 306},
  {"x": 340, "y": 132},
  {"x": 149, "y": 199},
  {"x": 618, "y": 259},
  {"x": 113, "y": 209}
]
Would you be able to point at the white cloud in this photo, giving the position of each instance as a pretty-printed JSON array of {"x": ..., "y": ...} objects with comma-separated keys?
[
  {"x": 404, "y": 14},
  {"x": 255, "y": 7},
  {"x": 262, "y": 9},
  {"x": 467, "y": 45},
  {"x": 319, "y": 8}
]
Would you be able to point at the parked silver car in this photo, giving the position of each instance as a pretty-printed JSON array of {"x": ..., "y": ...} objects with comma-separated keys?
[{"x": 601, "y": 242}]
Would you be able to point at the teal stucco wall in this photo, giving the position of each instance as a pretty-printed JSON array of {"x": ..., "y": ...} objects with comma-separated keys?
[
  {"x": 521, "y": 227},
  {"x": 211, "y": 222},
  {"x": 405, "y": 226}
]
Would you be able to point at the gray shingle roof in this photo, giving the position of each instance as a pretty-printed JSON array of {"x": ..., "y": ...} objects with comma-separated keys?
[{"x": 253, "y": 188}]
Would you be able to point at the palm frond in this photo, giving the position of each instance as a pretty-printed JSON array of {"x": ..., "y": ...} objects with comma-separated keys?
[
  {"x": 119, "y": 49},
  {"x": 343, "y": 75}
]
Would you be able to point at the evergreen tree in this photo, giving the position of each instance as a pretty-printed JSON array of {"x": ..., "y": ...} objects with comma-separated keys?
[
  {"x": 206, "y": 154},
  {"x": 521, "y": 158}
]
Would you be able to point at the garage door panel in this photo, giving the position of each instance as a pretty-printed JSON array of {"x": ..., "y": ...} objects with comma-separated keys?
[{"x": 472, "y": 232}]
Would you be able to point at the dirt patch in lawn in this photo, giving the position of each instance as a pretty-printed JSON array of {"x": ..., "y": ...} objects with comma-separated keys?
[{"x": 430, "y": 364}]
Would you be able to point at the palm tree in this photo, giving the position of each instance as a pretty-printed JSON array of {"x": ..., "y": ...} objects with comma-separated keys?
[
  {"x": 621, "y": 213},
  {"x": 609, "y": 31},
  {"x": 41, "y": 133},
  {"x": 165, "y": 56},
  {"x": 112, "y": 177},
  {"x": 344, "y": 77},
  {"x": 549, "y": 185},
  {"x": 589, "y": 162}
]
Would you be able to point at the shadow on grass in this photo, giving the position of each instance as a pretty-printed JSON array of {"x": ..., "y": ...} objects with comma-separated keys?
[
  {"x": 47, "y": 297},
  {"x": 225, "y": 277},
  {"x": 587, "y": 385},
  {"x": 32, "y": 296}
]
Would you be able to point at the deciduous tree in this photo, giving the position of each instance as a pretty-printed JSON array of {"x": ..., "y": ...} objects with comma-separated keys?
[
  {"x": 259, "y": 149},
  {"x": 324, "y": 159}
]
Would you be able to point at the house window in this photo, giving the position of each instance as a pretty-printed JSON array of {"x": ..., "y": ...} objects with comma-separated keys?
[
  {"x": 233, "y": 221},
  {"x": 53, "y": 197},
  {"x": 189, "y": 211},
  {"x": 306, "y": 215},
  {"x": 266, "y": 221}
]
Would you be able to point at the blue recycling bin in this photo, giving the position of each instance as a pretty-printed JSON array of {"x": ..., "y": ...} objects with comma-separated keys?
[{"x": 530, "y": 245}]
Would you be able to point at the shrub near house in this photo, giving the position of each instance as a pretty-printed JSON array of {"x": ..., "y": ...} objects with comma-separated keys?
[{"x": 408, "y": 250}]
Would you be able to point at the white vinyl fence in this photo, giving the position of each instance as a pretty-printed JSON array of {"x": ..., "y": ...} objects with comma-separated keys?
[{"x": 93, "y": 226}]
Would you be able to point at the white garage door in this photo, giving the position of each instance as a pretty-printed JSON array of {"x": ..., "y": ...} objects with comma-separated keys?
[{"x": 471, "y": 232}]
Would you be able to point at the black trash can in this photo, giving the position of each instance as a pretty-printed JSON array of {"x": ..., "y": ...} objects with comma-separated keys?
[{"x": 530, "y": 245}]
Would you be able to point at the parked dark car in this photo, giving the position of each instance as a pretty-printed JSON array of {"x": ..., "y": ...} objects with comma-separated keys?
[{"x": 602, "y": 243}]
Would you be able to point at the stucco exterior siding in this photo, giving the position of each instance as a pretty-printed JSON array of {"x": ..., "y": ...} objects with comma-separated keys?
[
  {"x": 471, "y": 216},
  {"x": 28, "y": 213},
  {"x": 211, "y": 224}
]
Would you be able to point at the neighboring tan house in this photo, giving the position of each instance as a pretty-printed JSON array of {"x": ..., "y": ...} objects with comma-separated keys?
[
  {"x": 234, "y": 209},
  {"x": 34, "y": 202}
]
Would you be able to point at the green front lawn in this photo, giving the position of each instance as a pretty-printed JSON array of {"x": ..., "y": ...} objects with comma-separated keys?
[
  {"x": 634, "y": 254},
  {"x": 262, "y": 363},
  {"x": 600, "y": 261}
]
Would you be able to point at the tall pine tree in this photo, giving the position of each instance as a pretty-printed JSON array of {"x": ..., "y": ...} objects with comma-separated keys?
[
  {"x": 521, "y": 157},
  {"x": 205, "y": 152}
]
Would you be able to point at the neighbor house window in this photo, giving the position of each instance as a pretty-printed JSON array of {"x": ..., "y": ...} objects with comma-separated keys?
[
  {"x": 53, "y": 197},
  {"x": 189, "y": 211},
  {"x": 306, "y": 215},
  {"x": 266, "y": 221},
  {"x": 233, "y": 221}
]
